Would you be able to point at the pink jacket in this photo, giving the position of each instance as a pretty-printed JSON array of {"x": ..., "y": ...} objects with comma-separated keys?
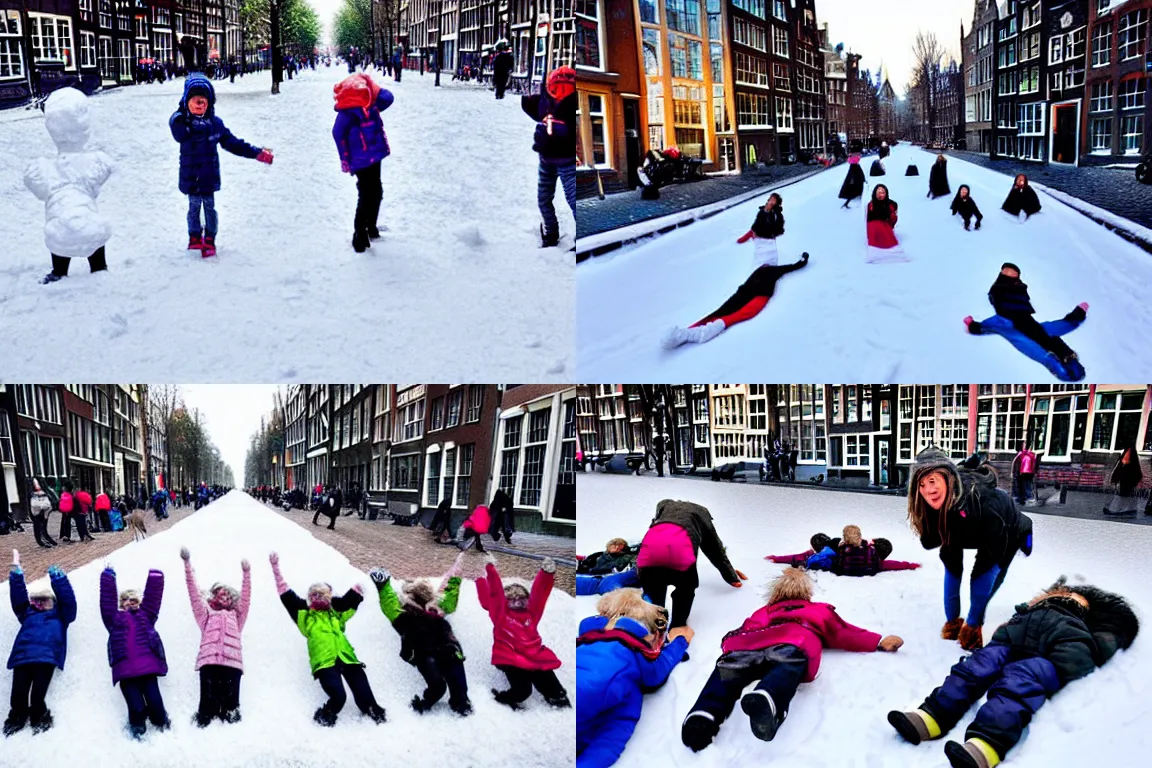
[
  {"x": 809, "y": 626},
  {"x": 666, "y": 545},
  {"x": 219, "y": 630},
  {"x": 515, "y": 638},
  {"x": 1027, "y": 462},
  {"x": 480, "y": 520}
]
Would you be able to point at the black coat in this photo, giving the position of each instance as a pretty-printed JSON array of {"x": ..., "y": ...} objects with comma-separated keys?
[
  {"x": 1022, "y": 199},
  {"x": 559, "y": 145},
  {"x": 425, "y": 634},
  {"x": 885, "y": 151},
  {"x": 938, "y": 180},
  {"x": 877, "y": 168},
  {"x": 602, "y": 563},
  {"x": 853, "y": 186},
  {"x": 769, "y": 224},
  {"x": 1056, "y": 631},
  {"x": 966, "y": 207},
  {"x": 502, "y": 66},
  {"x": 1129, "y": 475},
  {"x": 697, "y": 523},
  {"x": 1009, "y": 295},
  {"x": 881, "y": 210}
]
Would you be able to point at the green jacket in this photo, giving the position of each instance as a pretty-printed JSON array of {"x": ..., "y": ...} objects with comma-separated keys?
[
  {"x": 324, "y": 630},
  {"x": 423, "y": 633}
]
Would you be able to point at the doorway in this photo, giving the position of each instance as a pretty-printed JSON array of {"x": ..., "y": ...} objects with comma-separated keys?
[
  {"x": 632, "y": 140},
  {"x": 1064, "y": 128},
  {"x": 882, "y": 462}
]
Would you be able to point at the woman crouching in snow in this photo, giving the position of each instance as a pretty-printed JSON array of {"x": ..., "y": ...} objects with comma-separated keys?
[
  {"x": 517, "y": 649},
  {"x": 881, "y": 222},
  {"x": 779, "y": 645},
  {"x": 220, "y": 663}
]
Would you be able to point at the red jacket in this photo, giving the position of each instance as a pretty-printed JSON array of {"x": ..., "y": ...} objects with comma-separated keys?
[
  {"x": 103, "y": 503},
  {"x": 809, "y": 626},
  {"x": 515, "y": 637},
  {"x": 480, "y": 520},
  {"x": 83, "y": 502}
]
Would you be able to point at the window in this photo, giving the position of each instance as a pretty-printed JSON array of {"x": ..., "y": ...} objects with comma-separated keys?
[
  {"x": 1131, "y": 35},
  {"x": 1029, "y": 79},
  {"x": 475, "y": 403},
  {"x": 160, "y": 15},
  {"x": 105, "y": 13},
  {"x": 751, "y": 70},
  {"x": 856, "y": 451},
  {"x": 125, "y": 47},
  {"x": 437, "y": 414},
  {"x": 52, "y": 39},
  {"x": 754, "y": 7},
  {"x": 1030, "y": 46},
  {"x": 1102, "y": 44},
  {"x": 783, "y": 114},
  {"x": 87, "y": 49},
  {"x": 1117, "y": 420},
  {"x": 464, "y": 477},
  {"x": 11, "y": 57},
  {"x": 7, "y": 456},
  {"x": 1131, "y": 133},
  {"x": 779, "y": 11},
  {"x": 780, "y": 42},
  {"x": 432, "y": 495},
  {"x": 1101, "y": 97},
  {"x": 411, "y": 423},
  {"x": 752, "y": 110},
  {"x": 650, "y": 11},
  {"x": 1055, "y": 50},
  {"x": 749, "y": 34},
  {"x": 142, "y": 27},
  {"x": 510, "y": 455},
  {"x": 1131, "y": 94},
  {"x": 1031, "y": 16},
  {"x": 535, "y": 452},
  {"x": 455, "y": 404},
  {"x": 1100, "y": 131},
  {"x": 780, "y": 77},
  {"x": 683, "y": 15},
  {"x": 406, "y": 473},
  {"x": 686, "y": 57},
  {"x": 1031, "y": 119},
  {"x": 652, "y": 51}
]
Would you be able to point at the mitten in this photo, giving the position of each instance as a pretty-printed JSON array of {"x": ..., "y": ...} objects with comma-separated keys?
[
  {"x": 358, "y": 589},
  {"x": 109, "y": 569},
  {"x": 185, "y": 555},
  {"x": 548, "y": 566},
  {"x": 265, "y": 157},
  {"x": 245, "y": 565},
  {"x": 55, "y": 572},
  {"x": 344, "y": 167},
  {"x": 746, "y": 237},
  {"x": 274, "y": 558},
  {"x": 15, "y": 569},
  {"x": 380, "y": 576}
]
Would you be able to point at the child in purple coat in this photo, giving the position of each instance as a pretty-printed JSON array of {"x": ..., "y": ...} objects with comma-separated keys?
[
  {"x": 135, "y": 651},
  {"x": 362, "y": 144}
]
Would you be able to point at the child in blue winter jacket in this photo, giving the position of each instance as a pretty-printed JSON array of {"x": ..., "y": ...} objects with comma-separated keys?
[
  {"x": 198, "y": 130},
  {"x": 363, "y": 145},
  {"x": 621, "y": 654},
  {"x": 40, "y": 647}
]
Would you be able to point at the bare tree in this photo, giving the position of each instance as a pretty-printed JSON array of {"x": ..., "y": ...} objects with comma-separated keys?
[
  {"x": 926, "y": 55},
  {"x": 165, "y": 399}
]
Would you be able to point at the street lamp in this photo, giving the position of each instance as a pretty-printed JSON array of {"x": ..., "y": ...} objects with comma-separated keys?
[{"x": 439, "y": 42}]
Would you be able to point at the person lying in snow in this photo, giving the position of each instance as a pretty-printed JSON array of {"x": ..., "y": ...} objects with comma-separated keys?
[
  {"x": 1061, "y": 635},
  {"x": 321, "y": 619},
  {"x": 964, "y": 205},
  {"x": 41, "y": 644},
  {"x": 427, "y": 641},
  {"x": 622, "y": 653},
  {"x": 850, "y": 555},
  {"x": 221, "y": 619},
  {"x": 1021, "y": 198},
  {"x": 601, "y": 572},
  {"x": 780, "y": 646},
  {"x": 517, "y": 649},
  {"x": 135, "y": 650}
]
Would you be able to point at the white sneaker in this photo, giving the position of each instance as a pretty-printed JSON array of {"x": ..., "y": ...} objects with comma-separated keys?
[
  {"x": 706, "y": 332},
  {"x": 675, "y": 337}
]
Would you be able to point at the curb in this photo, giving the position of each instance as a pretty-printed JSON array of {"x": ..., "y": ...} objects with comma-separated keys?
[
  {"x": 569, "y": 562},
  {"x": 1137, "y": 234},
  {"x": 613, "y": 239}
]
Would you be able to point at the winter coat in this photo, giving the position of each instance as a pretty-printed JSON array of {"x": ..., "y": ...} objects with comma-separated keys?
[
  {"x": 877, "y": 168},
  {"x": 1056, "y": 631},
  {"x": 1027, "y": 464},
  {"x": 83, "y": 502},
  {"x": 966, "y": 207},
  {"x": 516, "y": 634},
  {"x": 863, "y": 560},
  {"x": 885, "y": 151},
  {"x": 614, "y": 668},
  {"x": 39, "y": 503},
  {"x": 479, "y": 521},
  {"x": 769, "y": 224},
  {"x": 43, "y": 635},
  {"x": 334, "y": 502},
  {"x": 219, "y": 629},
  {"x": 603, "y": 563},
  {"x": 555, "y": 137},
  {"x": 1009, "y": 296},
  {"x": 1129, "y": 475},
  {"x": 809, "y": 626},
  {"x": 423, "y": 633},
  {"x": 198, "y": 138},
  {"x": 359, "y": 129},
  {"x": 503, "y": 514},
  {"x": 853, "y": 186},
  {"x": 881, "y": 218},
  {"x": 1021, "y": 199},
  {"x": 70, "y": 183},
  {"x": 134, "y": 647},
  {"x": 103, "y": 503},
  {"x": 696, "y": 522},
  {"x": 324, "y": 630},
  {"x": 938, "y": 180},
  {"x": 502, "y": 66}
]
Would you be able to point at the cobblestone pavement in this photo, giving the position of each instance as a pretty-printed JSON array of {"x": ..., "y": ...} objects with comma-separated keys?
[
  {"x": 1113, "y": 189},
  {"x": 36, "y": 559},
  {"x": 594, "y": 216},
  {"x": 410, "y": 552}
]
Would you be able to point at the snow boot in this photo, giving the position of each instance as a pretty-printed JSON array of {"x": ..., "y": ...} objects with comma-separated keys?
[
  {"x": 971, "y": 638},
  {"x": 195, "y": 243},
  {"x": 200, "y": 720},
  {"x": 951, "y": 629},
  {"x": 360, "y": 242},
  {"x": 977, "y": 224},
  {"x": 559, "y": 702},
  {"x": 699, "y": 730},
  {"x": 915, "y": 726},
  {"x": 761, "y": 711},
  {"x": 974, "y": 753},
  {"x": 376, "y": 714},
  {"x": 324, "y": 717},
  {"x": 505, "y": 698},
  {"x": 137, "y": 731},
  {"x": 164, "y": 725},
  {"x": 209, "y": 246},
  {"x": 374, "y": 233},
  {"x": 548, "y": 239},
  {"x": 419, "y": 705},
  {"x": 967, "y": 226},
  {"x": 51, "y": 277},
  {"x": 42, "y": 723},
  {"x": 14, "y": 724},
  {"x": 972, "y": 326},
  {"x": 461, "y": 708}
]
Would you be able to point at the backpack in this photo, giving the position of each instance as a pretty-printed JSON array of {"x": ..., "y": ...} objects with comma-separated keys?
[{"x": 66, "y": 502}]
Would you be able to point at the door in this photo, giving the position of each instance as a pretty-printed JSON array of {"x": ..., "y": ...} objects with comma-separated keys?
[
  {"x": 632, "y": 140},
  {"x": 882, "y": 461},
  {"x": 1064, "y": 134}
]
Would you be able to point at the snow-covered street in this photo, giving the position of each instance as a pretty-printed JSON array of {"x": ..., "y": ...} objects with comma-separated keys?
[
  {"x": 839, "y": 719},
  {"x": 458, "y": 275},
  {"x": 278, "y": 695},
  {"x": 841, "y": 317}
]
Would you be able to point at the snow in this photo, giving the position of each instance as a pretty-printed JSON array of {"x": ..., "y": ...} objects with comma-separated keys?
[
  {"x": 842, "y": 318},
  {"x": 838, "y": 720},
  {"x": 278, "y": 694},
  {"x": 286, "y": 291}
]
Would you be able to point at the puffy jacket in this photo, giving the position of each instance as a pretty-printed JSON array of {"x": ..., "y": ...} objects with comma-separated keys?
[
  {"x": 1027, "y": 463},
  {"x": 809, "y": 626},
  {"x": 103, "y": 503},
  {"x": 219, "y": 629},
  {"x": 480, "y": 520},
  {"x": 134, "y": 646},
  {"x": 555, "y": 136},
  {"x": 83, "y": 502},
  {"x": 358, "y": 130},
  {"x": 39, "y": 503},
  {"x": 1056, "y": 632},
  {"x": 198, "y": 138},
  {"x": 1010, "y": 295},
  {"x": 43, "y": 635},
  {"x": 697, "y": 522},
  {"x": 769, "y": 224},
  {"x": 423, "y": 633},
  {"x": 324, "y": 630},
  {"x": 515, "y": 634},
  {"x": 613, "y": 671},
  {"x": 67, "y": 503}
]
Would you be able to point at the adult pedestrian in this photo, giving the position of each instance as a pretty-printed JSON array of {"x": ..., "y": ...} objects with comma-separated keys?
[
  {"x": 501, "y": 67},
  {"x": 1025, "y": 470},
  {"x": 329, "y": 507},
  {"x": 397, "y": 62},
  {"x": 40, "y": 506},
  {"x": 1126, "y": 476}
]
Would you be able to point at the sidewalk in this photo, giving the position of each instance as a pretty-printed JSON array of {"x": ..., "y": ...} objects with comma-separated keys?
[{"x": 410, "y": 552}]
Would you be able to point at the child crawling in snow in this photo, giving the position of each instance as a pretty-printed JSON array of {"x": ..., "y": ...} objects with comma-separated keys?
[
  {"x": 1060, "y": 635},
  {"x": 849, "y": 555},
  {"x": 780, "y": 646},
  {"x": 517, "y": 649},
  {"x": 427, "y": 641}
]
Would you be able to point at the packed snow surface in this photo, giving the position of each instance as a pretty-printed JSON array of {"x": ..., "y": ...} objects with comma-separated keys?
[
  {"x": 838, "y": 720},
  {"x": 277, "y": 692},
  {"x": 844, "y": 319},
  {"x": 458, "y": 275}
]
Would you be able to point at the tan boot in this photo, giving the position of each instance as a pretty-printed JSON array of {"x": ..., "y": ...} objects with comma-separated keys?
[
  {"x": 951, "y": 629},
  {"x": 971, "y": 638}
]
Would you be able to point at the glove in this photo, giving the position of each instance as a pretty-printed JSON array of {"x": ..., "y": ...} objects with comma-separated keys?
[
  {"x": 380, "y": 575},
  {"x": 741, "y": 575},
  {"x": 745, "y": 237},
  {"x": 358, "y": 590},
  {"x": 15, "y": 569},
  {"x": 890, "y": 644},
  {"x": 245, "y": 566},
  {"x": 185, "y": 555},
  {"x": 344, "y": 167},
  {"x": 55, "y": 572},
  {"x": 804, "y": 257},
  {"x": 109, "y": 569},
  {"x": 549, "y": 565},
  {"x": 265, "y": 157},
  {"x": 274, "y": 558}
]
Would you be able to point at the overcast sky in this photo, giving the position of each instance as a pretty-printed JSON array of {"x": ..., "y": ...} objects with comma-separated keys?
[
  {"x": 885, "y": 31},
  {"x": 231, "y": 414}
]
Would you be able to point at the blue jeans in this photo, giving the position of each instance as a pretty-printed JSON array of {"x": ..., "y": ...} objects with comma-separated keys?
[
  {"x": 546, "y": 190},
  {"x": 211, "y": 221}
]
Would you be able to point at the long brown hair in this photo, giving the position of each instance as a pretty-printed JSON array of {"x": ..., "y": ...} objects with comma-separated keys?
[{"x": 918, "y": 509}]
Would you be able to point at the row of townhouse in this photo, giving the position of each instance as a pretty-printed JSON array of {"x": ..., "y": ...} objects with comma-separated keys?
[
  {"x": 738, "y": 83},
  {"x": 1061, "y": 81},
  {"x": 869, "y": 434},
  {"x": 104, "y": 437},
  {"x": 540, "y": 33},
  {"x": 421, "y": 444},
  {"x": 90, "y": 44}
]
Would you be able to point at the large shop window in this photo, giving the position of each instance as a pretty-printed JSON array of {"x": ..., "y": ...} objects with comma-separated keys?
[
  {"x": 52, "y": 39},
  {"x": 588, "y": 34},
  {"x": 1116, "y": 424}
]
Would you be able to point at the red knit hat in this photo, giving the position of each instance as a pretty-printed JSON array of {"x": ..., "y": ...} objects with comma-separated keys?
[{"x": 561, "y": 83}]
